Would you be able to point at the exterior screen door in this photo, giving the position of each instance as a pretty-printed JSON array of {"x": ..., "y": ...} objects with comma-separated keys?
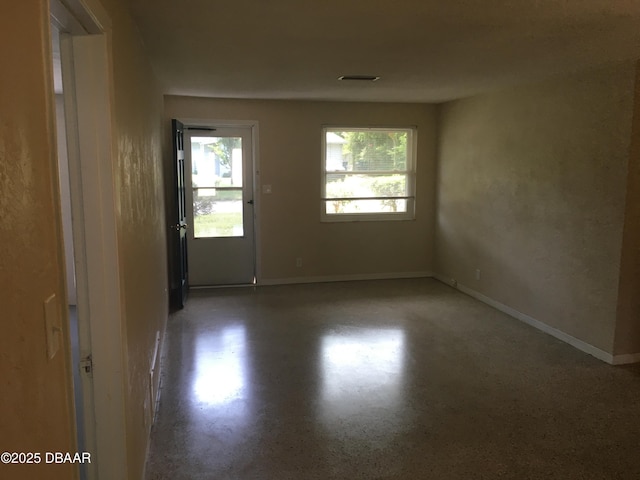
[{"x": 221, "y": 241}]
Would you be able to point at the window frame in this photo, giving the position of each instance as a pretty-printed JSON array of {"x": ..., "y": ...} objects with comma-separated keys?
[{"x": 410, "y": 172}]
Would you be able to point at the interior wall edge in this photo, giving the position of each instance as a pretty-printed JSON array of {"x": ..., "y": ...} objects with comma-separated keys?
[
  {"x": 627, "y": 321},
  {"x": 435, "y": 250}
]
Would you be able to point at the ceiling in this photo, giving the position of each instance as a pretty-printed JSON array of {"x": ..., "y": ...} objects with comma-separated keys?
[{"x": 423, "y": 50}]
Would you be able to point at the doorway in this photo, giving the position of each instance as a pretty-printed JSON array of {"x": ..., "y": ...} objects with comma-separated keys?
[
  {"x": 220, "y": 200},
  {"x": 86, "y": 80}
]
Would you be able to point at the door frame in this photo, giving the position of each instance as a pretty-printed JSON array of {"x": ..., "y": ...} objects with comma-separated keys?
[
  {"x": 89, "y": 106},
  {"x": 255, "y": 161},
  {"x": 177, "y": 248}
]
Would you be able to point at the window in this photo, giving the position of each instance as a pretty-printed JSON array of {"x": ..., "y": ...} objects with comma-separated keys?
[
  {"x": 216, "y": 177},
  {"x": 368, "y": 174}
]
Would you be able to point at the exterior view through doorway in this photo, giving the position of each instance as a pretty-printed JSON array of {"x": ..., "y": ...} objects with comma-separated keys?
[{"x": 220, "y": 213}]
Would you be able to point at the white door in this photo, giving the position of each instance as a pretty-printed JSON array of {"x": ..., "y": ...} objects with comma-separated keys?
[{"x": 221, "y": 215}]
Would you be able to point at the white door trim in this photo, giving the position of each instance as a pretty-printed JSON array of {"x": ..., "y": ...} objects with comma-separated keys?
[
  {"x": 79, "y": 247},
  {"x": 88, "y": 78}
]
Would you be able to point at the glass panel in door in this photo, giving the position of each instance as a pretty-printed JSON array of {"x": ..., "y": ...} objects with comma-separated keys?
[{"x": 216, "y": 175}]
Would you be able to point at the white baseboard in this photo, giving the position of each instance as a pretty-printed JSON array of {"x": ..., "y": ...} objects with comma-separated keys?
[
  {"x": 626, "y": 358},
  {"x": 559, "y": 334},
  {"x": 343, "y": 278}
]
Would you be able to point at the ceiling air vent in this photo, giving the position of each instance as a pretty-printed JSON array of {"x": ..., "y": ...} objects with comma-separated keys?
[{"x": 360, "y": 78}]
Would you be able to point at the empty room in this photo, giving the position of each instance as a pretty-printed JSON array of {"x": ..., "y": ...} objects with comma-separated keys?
[{"x": 320, "y": 241}]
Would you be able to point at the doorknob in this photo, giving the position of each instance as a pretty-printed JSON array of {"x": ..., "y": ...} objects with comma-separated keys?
[
  {"x": 250, "y": 202},
  {"x": 178, "y": 226}
]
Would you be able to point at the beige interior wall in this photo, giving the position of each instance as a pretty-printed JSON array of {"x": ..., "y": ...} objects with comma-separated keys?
[
  {"x": 140, "y": 219},
  {"x": 627, "y": 338},
  {"x": 532, "y": 187},
  {"x": 36, "y": 406},
  {"x": 36, "y": 409},
  {"x": 289, "y": 156}
]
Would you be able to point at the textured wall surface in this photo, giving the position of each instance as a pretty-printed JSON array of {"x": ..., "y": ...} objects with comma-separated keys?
[
  {"x": 532, "y": 187},
  {"x": 140, "y": 219},
  {"x": 290, "y": 151},
  {"x": 36, "y": 409}
]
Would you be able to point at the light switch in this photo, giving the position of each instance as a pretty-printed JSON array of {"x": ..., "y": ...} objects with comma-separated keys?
[
  {"x": 266, "y": 189},
  {"x": 52, "y": 325}
]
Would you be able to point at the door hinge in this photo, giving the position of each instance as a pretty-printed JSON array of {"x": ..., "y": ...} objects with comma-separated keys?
[{"x": 86, "y": 365}]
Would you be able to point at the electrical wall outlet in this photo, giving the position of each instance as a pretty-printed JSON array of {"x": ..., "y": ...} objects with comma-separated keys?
[
  {"x": 478, "y": 274},
  {"x": 298, "y": 262}
]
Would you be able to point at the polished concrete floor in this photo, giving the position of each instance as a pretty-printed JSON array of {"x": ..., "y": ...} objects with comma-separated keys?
[{"x": 399, "y": 379}]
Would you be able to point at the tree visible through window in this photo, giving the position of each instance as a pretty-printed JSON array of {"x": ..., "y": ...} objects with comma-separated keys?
[{"x": 368, "y": 174}]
